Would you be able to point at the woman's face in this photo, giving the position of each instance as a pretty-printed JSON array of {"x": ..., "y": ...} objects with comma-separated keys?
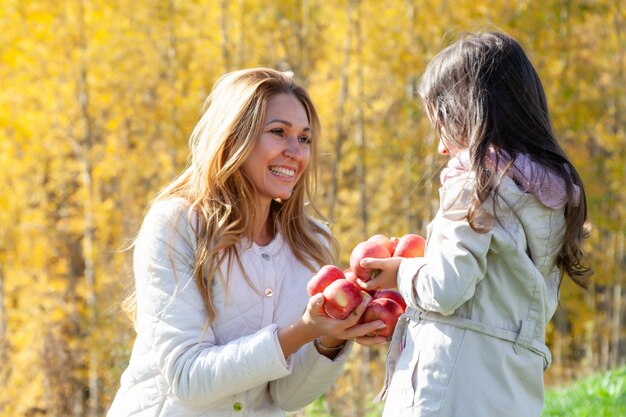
[{"x": 282, "y": 153}]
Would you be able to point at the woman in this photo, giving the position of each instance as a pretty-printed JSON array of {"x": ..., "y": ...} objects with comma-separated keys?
[{"x": 222, "y": 261}]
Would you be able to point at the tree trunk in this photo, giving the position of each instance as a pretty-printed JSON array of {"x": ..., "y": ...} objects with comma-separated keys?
[
  {"x": 590, "y": 334},
  {"x": 304, "y": 41},
  {"x": 89, "y": 225},
  {"x": 225, "y": 45},
  {"x": 172, "y": 78},
  {"x": 241, "y": 50},
  {"x": 333, "y": 185},
  {"x": 617, "y": 310},
  {"x": 5, "y": 364},
  {"x": 619, "y": 259},
  {"x": 360, "y": 127}
]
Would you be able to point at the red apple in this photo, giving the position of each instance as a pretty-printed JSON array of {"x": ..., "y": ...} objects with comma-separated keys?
[
  {"x": 366, "y": 295},
  {"x": 350, "y": 276},
  {"x": 394, "y": 243},
  {"x": 383, "y": 240},
  {"x": 340, "y": 298},
  {"x": 392, "y": 295},
  {"x": 410, "y": 246},
  {"x": 386, "y": 310},
  {"x": 366, "y": 249},
  {"x": 323, "y": 278}
]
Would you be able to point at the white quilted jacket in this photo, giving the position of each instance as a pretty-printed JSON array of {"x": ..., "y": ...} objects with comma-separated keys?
[
  {"x": 235, "y": 366},
  {"x": 475, "y": 346}
]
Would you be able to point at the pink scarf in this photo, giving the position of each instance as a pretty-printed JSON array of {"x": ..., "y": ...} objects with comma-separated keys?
[{"x": 531, "y": 177}]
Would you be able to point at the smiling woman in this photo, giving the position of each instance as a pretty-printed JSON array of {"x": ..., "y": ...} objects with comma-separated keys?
[
  {"x": 282, "y": 153},
  {"x": 222, "y": 262}
]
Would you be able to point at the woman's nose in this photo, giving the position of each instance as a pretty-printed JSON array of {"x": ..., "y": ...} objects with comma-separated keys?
[{"x": 294, "y": 149}]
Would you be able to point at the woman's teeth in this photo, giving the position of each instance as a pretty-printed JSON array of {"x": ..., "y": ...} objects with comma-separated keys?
[{"x": 283, "y": 171}]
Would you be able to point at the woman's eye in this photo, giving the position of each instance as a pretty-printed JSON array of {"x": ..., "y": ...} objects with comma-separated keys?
[
  {"x": 277, "y": 132},
  {"x": 306, "y": 140}
]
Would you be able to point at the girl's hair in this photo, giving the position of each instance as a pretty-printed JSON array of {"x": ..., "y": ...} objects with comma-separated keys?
[
  {"x": 222, "y": 199},
  {"x": 481, "y": 93}
]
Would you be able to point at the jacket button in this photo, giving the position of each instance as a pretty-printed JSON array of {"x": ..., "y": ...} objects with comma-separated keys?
[
  {"x": 269, "y": 292},
  {"x": 265, "y": 256},
  {"x": 237, "y": 406}
]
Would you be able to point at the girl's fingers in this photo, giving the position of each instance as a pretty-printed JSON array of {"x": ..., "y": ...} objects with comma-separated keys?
[
  {"x": 370, "y": 285},
  {"x": 374, "y": 263}
]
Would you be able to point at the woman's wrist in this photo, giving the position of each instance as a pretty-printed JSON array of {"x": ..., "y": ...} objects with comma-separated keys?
[{"x": 327, "y": 346}]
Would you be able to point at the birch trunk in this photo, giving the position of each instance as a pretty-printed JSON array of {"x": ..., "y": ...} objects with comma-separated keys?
[
  {"x": 360, "y": 128},
  {"x": 86, "y": 143},
  {"x": 333, "y": 185}
]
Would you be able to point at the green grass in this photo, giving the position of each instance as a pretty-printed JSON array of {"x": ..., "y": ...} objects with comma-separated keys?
[{"x": 602, "y": 395}]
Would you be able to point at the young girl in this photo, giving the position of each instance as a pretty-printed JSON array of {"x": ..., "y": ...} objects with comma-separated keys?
[
  {"x": 222, "y": 262},
  {"x": 511, "y": 220}
]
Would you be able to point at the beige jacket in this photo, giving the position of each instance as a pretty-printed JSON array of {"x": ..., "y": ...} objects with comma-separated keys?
[
  {"x": 235, "y": 367},
  {"x": 474, "y": 344}
]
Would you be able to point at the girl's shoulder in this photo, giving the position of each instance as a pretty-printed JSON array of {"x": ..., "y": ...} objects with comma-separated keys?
[
  {"x": 507, "y": 200},
  {"x": 456, "y": 193}
]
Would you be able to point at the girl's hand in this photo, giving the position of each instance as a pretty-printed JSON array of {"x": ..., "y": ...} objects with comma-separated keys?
[{"x": 386, "y": 278}]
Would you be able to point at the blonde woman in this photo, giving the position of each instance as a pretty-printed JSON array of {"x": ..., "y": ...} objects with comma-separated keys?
[{"x": 224, "y": 323}]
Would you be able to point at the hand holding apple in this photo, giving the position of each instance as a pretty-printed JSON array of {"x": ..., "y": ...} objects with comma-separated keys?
[
  {"x": 316, "y": 322},
  {"x": 384, "y": 309},
  {"x": 340, "y": 298},
  {"x": 324, "y": 277},
  {"x": 366, "y": 249},
  {"x": 386, "y": 278}
]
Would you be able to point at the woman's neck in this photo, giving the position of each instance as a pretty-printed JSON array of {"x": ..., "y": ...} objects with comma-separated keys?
[{"x": 263, "y": 229}]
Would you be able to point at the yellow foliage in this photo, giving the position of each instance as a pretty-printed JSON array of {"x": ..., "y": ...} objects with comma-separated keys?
[{"x": 94, "y": 123}]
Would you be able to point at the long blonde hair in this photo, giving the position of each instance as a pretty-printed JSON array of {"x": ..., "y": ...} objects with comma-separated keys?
[{"x": 222, "y": 199}]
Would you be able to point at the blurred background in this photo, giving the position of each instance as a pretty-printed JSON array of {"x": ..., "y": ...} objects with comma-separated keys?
[{"x": 97, "y": 101}]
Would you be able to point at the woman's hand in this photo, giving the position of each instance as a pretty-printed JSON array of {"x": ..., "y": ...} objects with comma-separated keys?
[
  {"x": 330, "y": 328},
  {"x": 386, "y": 278},
  {"x": 332, "y": 333}
]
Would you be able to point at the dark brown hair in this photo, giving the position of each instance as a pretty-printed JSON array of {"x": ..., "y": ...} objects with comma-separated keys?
[{"x": 481, "y": 93}]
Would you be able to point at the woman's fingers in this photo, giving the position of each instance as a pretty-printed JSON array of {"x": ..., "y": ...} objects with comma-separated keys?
[
  {"x": 371, "y": 340},
  {"x": 316, "y": 304}
]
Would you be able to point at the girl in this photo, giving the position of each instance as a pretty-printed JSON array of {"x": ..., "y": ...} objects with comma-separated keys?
[
  {"x": 221, "y": 265},
  {"x": 511, "y": 220}
]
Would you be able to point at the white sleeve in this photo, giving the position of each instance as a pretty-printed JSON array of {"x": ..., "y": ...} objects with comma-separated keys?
[
  {"x": 455, "y": 260},
  {"x": 313, "y": 374},
  {"x": 171, "y": 307}
]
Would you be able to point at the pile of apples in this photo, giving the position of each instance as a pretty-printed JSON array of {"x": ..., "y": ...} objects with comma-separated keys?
[{"x": 342, "y": 294}]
